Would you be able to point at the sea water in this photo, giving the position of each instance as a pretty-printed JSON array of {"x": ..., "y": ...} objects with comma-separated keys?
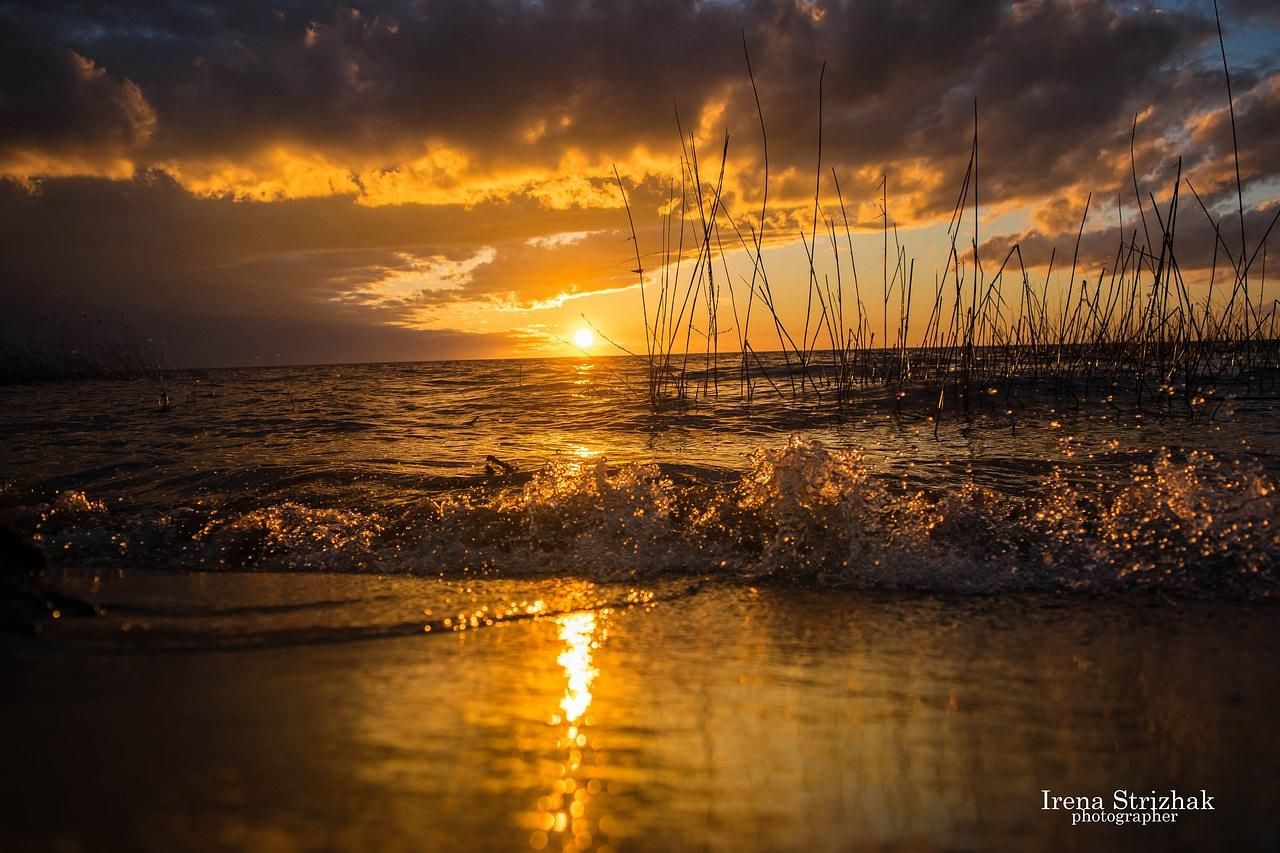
[{"x": 510, "y": 605}]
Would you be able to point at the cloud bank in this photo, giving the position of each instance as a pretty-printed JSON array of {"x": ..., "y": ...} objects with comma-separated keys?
[{"x": 424, "y": 178}]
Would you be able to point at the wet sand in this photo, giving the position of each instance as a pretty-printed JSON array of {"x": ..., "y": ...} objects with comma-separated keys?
[{"x": 701, "y": 717}]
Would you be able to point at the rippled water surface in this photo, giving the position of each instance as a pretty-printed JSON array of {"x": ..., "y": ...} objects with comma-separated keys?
[
  {"x": 323, "y": 624},
  {"x": 383, "y": 468}
]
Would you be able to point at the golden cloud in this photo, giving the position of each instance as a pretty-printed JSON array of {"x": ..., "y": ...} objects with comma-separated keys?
[{"x": 437, "y": 174}]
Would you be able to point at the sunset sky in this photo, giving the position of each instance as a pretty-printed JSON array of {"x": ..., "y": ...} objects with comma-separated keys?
[{"x": 281, "y": 182}]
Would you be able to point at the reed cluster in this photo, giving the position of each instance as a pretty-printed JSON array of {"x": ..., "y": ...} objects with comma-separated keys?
[{"x": 991, "y": 329}]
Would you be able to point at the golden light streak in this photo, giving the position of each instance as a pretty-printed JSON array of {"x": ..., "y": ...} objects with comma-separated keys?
[
  {"x": 435, "y": 173},
  {"x": 568, "y": 817},
  {"x": 577, "y": 630}
]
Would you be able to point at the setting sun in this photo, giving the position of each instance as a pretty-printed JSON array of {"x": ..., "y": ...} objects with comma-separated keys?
[{"x": 584, "y": 338}]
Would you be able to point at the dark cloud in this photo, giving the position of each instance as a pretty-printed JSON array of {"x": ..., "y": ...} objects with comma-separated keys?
[
  {"x": 1202, "y": 242},
  {"x": 61, "y": 113},
  {"x": 410, "y": 150},
  {"x": 151, "y": 255},
  {"x": 517, "y": 82},
  {"x": 1264, "y": 11}
]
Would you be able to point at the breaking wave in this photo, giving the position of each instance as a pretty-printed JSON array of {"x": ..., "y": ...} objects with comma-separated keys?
[{"x": 803, "y": 513}]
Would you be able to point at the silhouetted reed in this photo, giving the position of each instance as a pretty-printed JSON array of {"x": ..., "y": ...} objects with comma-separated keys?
[{"x": 1132, "y": 328}]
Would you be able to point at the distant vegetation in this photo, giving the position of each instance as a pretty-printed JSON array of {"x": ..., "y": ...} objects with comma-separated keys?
[
  {"x": 53, "y": 353},
  {"x": 1133, "y": 327}
]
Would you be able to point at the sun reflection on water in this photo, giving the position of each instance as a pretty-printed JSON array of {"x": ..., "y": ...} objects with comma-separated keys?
[
  {"x": 583, "y": 373},
  {"x": 577, "y": 630},
  {"x": 569, "y": 818}
]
